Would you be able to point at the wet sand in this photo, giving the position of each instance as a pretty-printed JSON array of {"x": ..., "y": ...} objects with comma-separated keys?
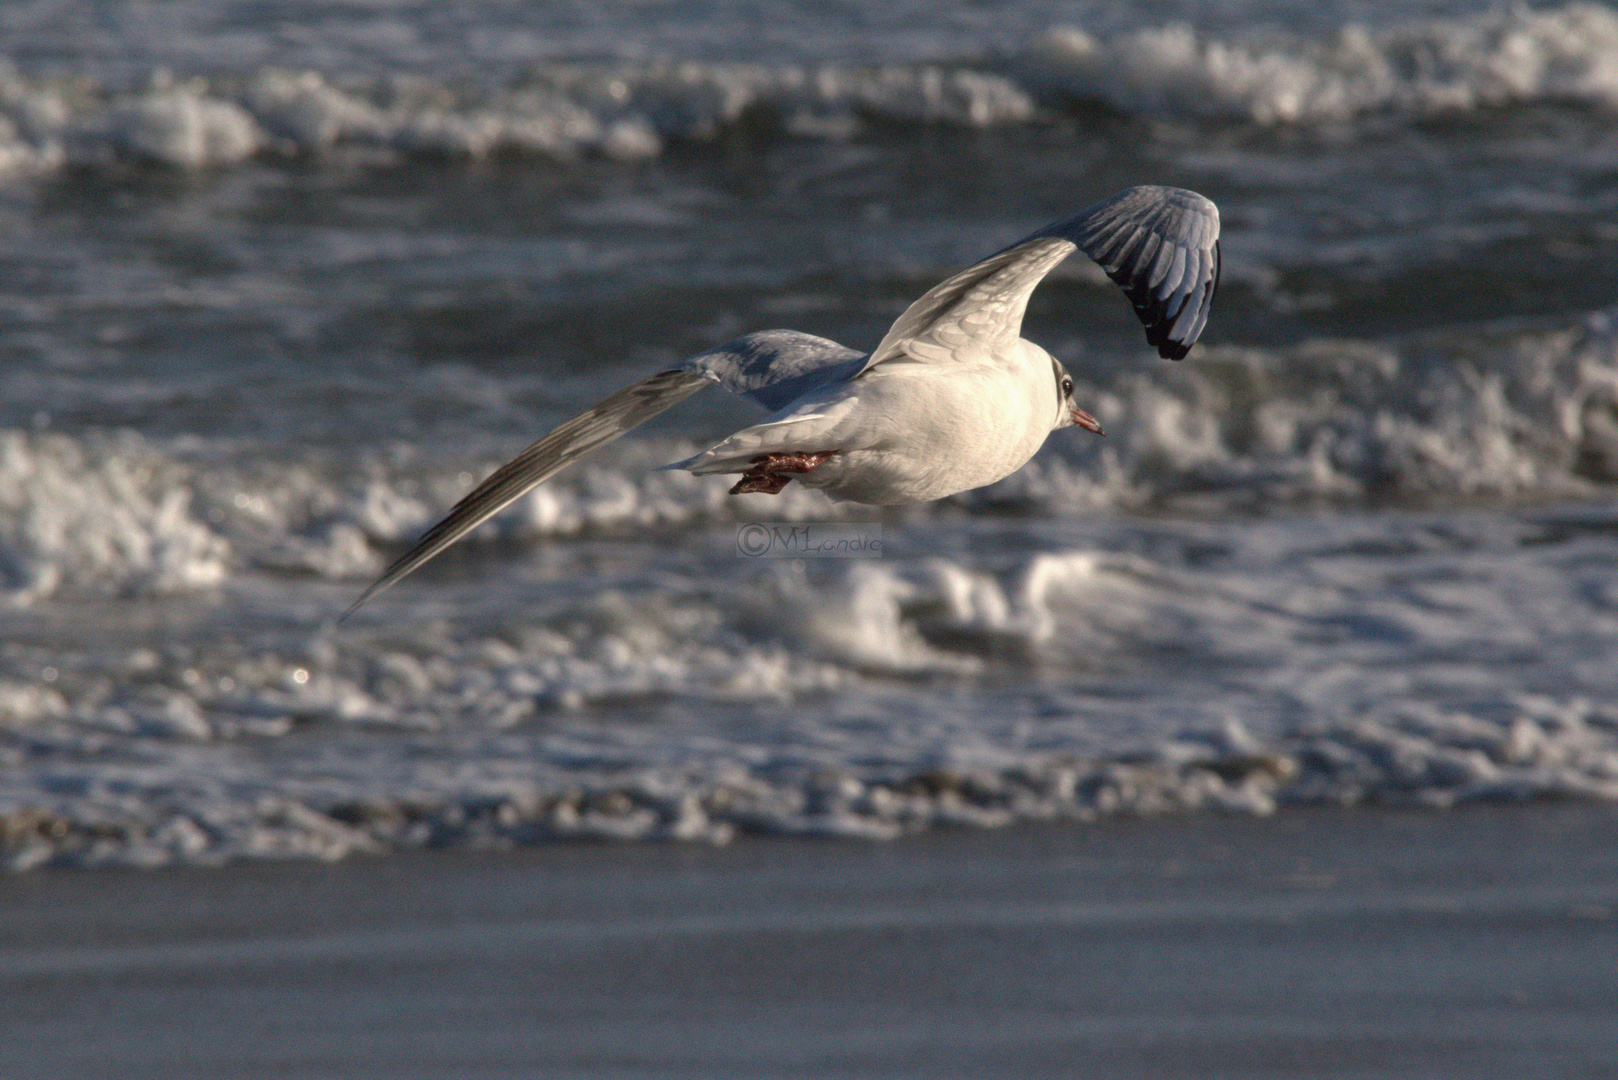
[{"x": 1476, "y": 943}]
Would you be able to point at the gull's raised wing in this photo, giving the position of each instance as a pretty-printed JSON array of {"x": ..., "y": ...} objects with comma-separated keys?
[
  {"x": 1160, "y": 244},
  {"x": 772, "y": 367}
]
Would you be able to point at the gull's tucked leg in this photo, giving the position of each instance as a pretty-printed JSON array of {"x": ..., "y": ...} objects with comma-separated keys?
[{"x": 772, "y": 472}]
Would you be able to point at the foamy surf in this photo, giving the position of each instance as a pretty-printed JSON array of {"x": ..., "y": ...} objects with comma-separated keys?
[
  {"x": 1492, "y": 60},
  {"x": 278, "y": 299},
  {"x": 206, "y": 806},
  {"x": 631, "y": 110},
  {"x": 1498, "y": 416},
  {"x": 690, "y": 694}
]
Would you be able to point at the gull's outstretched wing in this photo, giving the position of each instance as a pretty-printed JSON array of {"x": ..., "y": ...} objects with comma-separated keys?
[
  {"x": 566, "y": 444},
  {"x": 772, "y": 367},
  {"x": 1160, "y": 244}
]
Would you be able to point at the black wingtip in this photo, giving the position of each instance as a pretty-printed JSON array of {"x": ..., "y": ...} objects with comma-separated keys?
[{"x": 1156, "y": 243}]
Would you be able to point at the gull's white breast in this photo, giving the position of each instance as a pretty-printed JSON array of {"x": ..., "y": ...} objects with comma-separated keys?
[{"x": 910, "y": 432}]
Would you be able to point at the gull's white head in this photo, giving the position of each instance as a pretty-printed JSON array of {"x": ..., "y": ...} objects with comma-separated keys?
[{"x": 1067, "y": 413}]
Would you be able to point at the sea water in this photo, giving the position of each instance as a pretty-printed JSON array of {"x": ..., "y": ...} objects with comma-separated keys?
[{"x": 284, "y": 279}]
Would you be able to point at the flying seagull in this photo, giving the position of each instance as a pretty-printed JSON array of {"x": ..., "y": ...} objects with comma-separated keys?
[{"x": 952, "y": 398}]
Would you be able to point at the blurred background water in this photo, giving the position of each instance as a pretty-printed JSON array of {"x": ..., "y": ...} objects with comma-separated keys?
[{"x": 284, "y": 278}]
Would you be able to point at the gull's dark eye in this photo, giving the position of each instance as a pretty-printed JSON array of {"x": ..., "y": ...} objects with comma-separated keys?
[{"x": 1067, "y": 387}]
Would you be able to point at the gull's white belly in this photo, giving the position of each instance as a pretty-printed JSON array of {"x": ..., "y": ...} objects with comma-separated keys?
[{"x": 928, "y": 434}]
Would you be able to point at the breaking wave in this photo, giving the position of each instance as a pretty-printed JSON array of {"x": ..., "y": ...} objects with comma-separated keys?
[
  {"x": 1524, "y": 414},
  {"x": 1492, "y": 60},
  {"x": 201, "y": 810},
  {"x": 631, "y": 111}
]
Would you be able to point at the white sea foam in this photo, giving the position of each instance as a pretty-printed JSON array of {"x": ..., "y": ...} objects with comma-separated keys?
[
  {"x": 181, "y": 125},
  {"x": 1508, "y": 414},
  {"x": 627, "y": 111},
  {"x": 107, "y": 515},
  {"x": 1371, "y": 660},
  {"x": 1489, "y": 60},
  {"x": 200, "y": 807},
  {"x": 561, "y": 112}
]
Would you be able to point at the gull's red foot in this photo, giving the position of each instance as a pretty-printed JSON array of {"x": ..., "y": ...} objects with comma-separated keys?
[{"x": 772, "y": 472}]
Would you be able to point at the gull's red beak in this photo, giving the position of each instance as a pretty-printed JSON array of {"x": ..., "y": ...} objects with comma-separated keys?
[{"x": 1085, "y": 420}]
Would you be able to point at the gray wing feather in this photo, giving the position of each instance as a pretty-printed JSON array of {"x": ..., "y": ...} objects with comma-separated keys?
[
  {"x": 566, "y": 444},
  {"x": 776, "y": 367},
  {"x": 1160, "y": 244},
  {"x": 772, "y": 367}
]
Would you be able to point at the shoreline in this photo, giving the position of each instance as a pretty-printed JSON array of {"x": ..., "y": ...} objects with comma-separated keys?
[{"x": 1476, "y": 942}]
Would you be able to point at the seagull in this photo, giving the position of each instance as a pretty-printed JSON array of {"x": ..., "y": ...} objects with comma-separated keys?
[{"x": 952, "y": 397}]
